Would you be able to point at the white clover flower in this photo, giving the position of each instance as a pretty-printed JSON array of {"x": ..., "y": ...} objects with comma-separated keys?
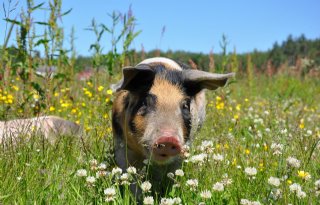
[
  {"x": 192, "y": 183},
  {"x": 226, "y": 180},
  {"x": 116, "y": 171},
  {"x": 274, "y": 181},
  {"x": 301, "y": 194},
  {"x": 110, "y": 194},
  {"x": 81, "y": 173},
  {"x": 317, "y": 187},
  {"x": 245, "y": 202},
  {"x": 124, "y": 178},
  {"x": 177, "y": 200},
  {"x": 179, "y": 172},
  {"x": 218, "y": 187},
  {"x": 250, "y": 171},
  {"x": 284, "y": 131},
  {"x": 206, "y": 194},
  {"x": 293, "y": 162},
  {"x": 148, "y": 200},
  {"x": 102, "y": 166},
  {"x": 101, "y": 173},
  {"x": 296, "y": 188},
  {"x": 255, "y": 203},
  {"x": 207, "y": 146},
  {"x": 146, "y": 186},
  {"x": 91, "y": 180},
  {"x": 276, "y": 194},
  {"x": 317, "y": 184},
  {"x": 93, "y": 162},
  {"x": 198, "y": 158},
  {"x": 308, "y": 133},
  {"x": 131, "y": 170},
  {"x": 170, "y": 175},
  {"x": 218, "y": 157},
  {"x": 277, "y": 148},
  {"x": 166, "y": 201}
]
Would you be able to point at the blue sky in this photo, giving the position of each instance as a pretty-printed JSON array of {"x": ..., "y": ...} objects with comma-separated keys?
[{"x": 192, "y": 25}]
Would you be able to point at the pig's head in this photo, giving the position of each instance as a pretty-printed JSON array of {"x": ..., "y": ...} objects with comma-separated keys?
[{"x": 162, "y": 107}]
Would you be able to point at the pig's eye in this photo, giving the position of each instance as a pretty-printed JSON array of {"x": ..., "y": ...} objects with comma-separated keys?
[
  {"x": 186, "y": 104},
  {"x": 147, "y": 104}
]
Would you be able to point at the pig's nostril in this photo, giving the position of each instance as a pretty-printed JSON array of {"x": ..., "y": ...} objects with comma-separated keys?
[
  {"x": 173, "y": 147},
  {"x": 163, "y": 155}
]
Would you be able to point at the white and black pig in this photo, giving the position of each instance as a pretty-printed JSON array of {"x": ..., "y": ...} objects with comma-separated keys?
[{"x": 159, "y": 105}]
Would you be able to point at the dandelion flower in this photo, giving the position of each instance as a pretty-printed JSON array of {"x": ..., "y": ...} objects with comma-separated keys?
[{"x": 304, "y": 175}]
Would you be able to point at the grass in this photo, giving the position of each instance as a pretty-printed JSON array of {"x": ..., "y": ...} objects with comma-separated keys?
[{"x": 256, "y": 125}]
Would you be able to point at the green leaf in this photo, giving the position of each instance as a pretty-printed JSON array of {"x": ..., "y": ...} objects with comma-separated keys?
[
  {"x": 36, "y": 7},
  {"x": 13, "y": 21},
  {"x": 41, "y": 41},
  {"x": 42, "y": 23},
  {"x": 66, "y": 13}
]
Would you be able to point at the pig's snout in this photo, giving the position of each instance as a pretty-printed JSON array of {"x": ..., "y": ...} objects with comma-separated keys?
[{"x": 165, "y": 148}]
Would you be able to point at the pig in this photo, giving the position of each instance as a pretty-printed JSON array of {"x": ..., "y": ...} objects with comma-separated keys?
[
  {"x": 51, "y": 127},
  {"x": 159, "y": 105}
]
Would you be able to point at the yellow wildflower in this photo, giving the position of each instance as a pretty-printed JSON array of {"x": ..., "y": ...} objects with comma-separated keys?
[
  {"x": 52, "y": 108},
  {"x": 100, "y": 88},
  {"x": 304, "y": 175},
  {"x": 109, "y": 92}
]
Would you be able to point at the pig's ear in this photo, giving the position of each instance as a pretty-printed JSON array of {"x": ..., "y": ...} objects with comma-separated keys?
[
  {"x": 196, "y": 80},
  {"x": 135, "y": 79}
]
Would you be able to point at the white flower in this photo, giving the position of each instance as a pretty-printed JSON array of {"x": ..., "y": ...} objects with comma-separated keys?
[
  {"x": 276, "y": 193},
  {"x": 166, "y": 201},
  {"x": 192, "y": 183},
  {"x": 317, "y": 184},
  {"x": 101, "y": 173},
  {"x": 245, "y": 202},
  {"x": 206, "y": 146},
  {"x": 177, "y": 200},
  {"x": 102, "y": 166},
  {"x": 146, "y": 186},
  {"x": 93, "y": 163},
  {"x": 296, "y": 188},
  {"x": 218, "y": 187},
  {"x": 124, "y": 178},
  {"x": 250, "y": 171},
  {"x": 179, "y": 172},
  {"x": 277, "y": 148},
  {"x": 110, "y": 194},
  {"x": 116, "y": 171},
  {"x": 274, "y": 181},
  {"x": 131, "y": 170},
  {"x": 206, "y": 194},
  {"x": 293, "y": 162},
  {"x": 148, "y": 200},
  {"x": 81, "y": 173},
  {"x": 198, "y": 158},
  {"x": 218, "y": 157},
  {"x": 91, "y": 179}
]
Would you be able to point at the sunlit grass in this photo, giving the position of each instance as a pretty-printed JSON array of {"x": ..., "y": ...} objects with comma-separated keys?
[{"x": 259, "y": 144}]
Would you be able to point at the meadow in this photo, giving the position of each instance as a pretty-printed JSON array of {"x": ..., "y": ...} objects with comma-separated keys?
[{"x": 259, "y": 145}]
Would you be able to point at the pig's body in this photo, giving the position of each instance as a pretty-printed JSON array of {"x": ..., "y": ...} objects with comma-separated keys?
[
  {"x": 51, "y": 127},
  {"x": 158, "y": 108}
]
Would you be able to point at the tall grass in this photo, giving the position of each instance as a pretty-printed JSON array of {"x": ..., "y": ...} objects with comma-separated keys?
[{"x": 259, "y": 144}]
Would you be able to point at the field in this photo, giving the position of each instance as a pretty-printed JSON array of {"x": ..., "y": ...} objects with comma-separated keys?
[{"x": 259, "y": 145}]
